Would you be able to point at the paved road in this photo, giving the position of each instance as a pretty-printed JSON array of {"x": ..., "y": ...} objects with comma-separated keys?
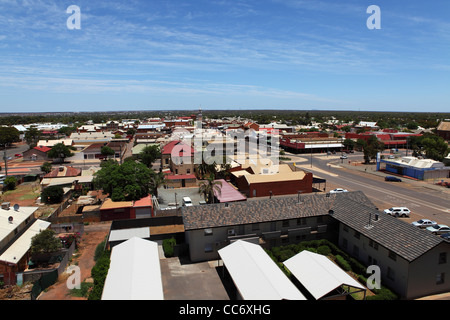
[{"x": 419, "y": 197}]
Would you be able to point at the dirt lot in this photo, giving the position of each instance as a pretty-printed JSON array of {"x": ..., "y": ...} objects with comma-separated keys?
[{"x": 93, "y": 235}]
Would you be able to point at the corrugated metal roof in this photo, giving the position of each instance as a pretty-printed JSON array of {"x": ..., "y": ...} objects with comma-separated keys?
[
  {"x": 255, "y": 274},
  {"x": 318, "y": 274},
  {"x": 134, "y": 272},
  {"x": 20, "y": 247}
]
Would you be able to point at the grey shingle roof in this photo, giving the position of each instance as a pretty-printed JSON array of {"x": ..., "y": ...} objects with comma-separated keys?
[
  {"x": 392, "y": 233},
  {"x": 351, "y": 208},
  {"x": 264, "y": 210}
]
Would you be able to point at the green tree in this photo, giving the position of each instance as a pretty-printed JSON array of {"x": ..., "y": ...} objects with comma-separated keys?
[
  {"x": 149, "y": 154},
  {"x": 8, "y": 135},
  {"x": 209, "y": 187},
  {"x": 349, "y": 144},
  {"x": 10, "y": 183},
  {"x": 123, "y": 182},
  {"x": 429, "y": 145},
  {"x": 107, "y": 151},
  {"x": 52, "y": 194},
  {"x": 61, "y": 151},
  {"x": 45, "y": 242},
  {"x": 46, "y": 167},
  {"x": 32, "y": 136},
  {"x": 372, "y": 147}
]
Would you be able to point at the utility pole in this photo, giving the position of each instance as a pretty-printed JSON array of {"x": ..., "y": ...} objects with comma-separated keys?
[{"x": 6, "y": 162}]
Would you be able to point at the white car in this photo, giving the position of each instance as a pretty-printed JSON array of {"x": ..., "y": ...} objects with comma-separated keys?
[
  {"x": 338, "y": 190},
  {"x": 398, "y": 211},
  {"x": 424, "y": 223},
  {"x": 439, "y": 229},
  {"x": 187, "y": 202}
]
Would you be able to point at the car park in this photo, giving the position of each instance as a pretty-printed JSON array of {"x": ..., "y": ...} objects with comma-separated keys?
[
  {"x": 424, "y": 223},
  {"x": 398, "y": 211},
  {"x": 439, "y": 229},
  {"x": 338, "y": 190}
]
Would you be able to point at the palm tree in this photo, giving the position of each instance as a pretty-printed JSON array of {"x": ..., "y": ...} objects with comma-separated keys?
[
  {"x": 209, "y": 187},
  {"x": 157, "y": 180}
]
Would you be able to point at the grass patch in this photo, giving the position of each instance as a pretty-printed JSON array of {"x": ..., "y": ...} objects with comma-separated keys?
[{"x": 83, "y": 292}]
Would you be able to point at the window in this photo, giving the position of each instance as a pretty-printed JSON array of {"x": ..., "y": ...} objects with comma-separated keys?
[
  {"x": 188, "y": 171},
  {"x": 356, "y": 251},
  {"x": 301, "y": 221},
  {"x": 255, "y": 226},
  {"x": 208, "y": 248},
  {"x": 344, "y": 243},
  {"x": 208, "y": 232},
  {"x": 285, "y": 223},
  {"x": 440, "y": 278},
  {"x": 319, "y": 219},
  {"x": 391, "y": 274},
  {"x": 443, "y": 257},
  {"x": 357, "y": 235},
  {"x": 345, "y": 228},
  {"x": 392, "y": 255}
]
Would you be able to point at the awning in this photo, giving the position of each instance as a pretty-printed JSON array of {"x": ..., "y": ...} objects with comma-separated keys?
[
  {"x": 255, "y": 274},
  {"x": 318, "y": 274}
]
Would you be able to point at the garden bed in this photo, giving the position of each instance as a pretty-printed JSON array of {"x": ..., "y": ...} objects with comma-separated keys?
[{"x": 324, "y": 247}]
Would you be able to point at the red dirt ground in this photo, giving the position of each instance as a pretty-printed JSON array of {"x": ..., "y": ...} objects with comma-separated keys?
[{"x": 93, "y": 235}]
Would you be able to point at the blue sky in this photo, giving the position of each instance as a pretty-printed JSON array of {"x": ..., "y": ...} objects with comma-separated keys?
[{"x": 224, "y": 54}]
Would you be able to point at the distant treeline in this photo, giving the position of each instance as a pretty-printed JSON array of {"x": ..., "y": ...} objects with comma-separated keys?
[{"x": 291, "y": 117}]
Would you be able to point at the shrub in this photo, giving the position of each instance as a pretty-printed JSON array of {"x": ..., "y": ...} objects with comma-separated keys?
[
  {"x": 52, "y": 194},
  {"x": 168, "y": 245},
  {"x": 324, "y": 250},
  {"x": 99, "y": 273},
  {"x": 343, "y": 263}
]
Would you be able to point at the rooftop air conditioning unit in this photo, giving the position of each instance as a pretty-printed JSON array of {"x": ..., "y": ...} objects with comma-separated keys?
[{"x": 6, "y": 205}]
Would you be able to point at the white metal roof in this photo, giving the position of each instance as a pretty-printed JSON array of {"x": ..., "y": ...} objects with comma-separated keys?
[
  {"x": 18, "y": 217},
  {"x": 318, "y": 274},
  {"x": 255, "y": 274},
  {"x": 20, "y": 247},
  {"x": 126, "y": 234},
  {"x": 134, "y": 272}
]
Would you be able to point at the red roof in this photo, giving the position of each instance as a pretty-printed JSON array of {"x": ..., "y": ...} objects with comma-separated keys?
[
  {"x": 67, "y": 172},
  {"x": 180, "y": 146},
  {"x": 43, "y": 149},
  {"x": 144, "y": 202},
  {"x": 180, "y": 176}
]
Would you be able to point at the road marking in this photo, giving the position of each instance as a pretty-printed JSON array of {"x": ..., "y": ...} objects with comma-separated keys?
[{"x": 401, "y": 196}]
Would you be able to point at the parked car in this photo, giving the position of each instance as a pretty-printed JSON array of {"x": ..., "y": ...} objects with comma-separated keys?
[
  {"x": 392, "y": 178},
  {"x": 344, "y": 157},
  {"x": 439, "y": 229},
  {"x": 398, "y": 211},
  {"x": 391, "y": 156},
  {"x": 446, "y": 236},
  {"x": 423, "y": 223},
  {"x": 338, "y": 190},
  {"x": 18, "y": 155},
  {"x": 187, "y": 202}
]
